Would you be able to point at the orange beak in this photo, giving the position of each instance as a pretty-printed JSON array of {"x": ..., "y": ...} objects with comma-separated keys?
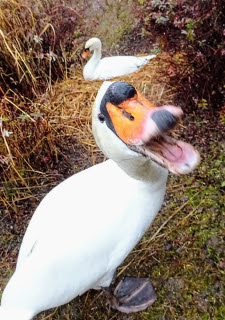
[
  {"x": 85, "y": 53},
  {"x": 130, "y": 118}
]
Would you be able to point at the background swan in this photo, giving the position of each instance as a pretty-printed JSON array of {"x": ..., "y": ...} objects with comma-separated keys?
[{"x": 109, "y": 67}]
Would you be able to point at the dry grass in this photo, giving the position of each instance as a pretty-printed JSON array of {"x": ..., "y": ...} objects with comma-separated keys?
[
  {"x": 21, "y": 47},
  {"x": 36, "y": 44}
]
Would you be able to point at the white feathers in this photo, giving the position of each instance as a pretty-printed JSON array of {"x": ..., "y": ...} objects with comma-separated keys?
[{"x": 110, "y": 67}]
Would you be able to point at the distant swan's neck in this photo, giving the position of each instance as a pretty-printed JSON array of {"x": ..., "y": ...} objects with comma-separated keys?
[
  {"x": 144, "y": 170},
  {"x": 96, "y": 55}
]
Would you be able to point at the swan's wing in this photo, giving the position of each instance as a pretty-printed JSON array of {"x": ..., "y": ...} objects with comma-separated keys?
[
  {"x": 111, "y": 67},
  {"x": 78, "y": 206}
]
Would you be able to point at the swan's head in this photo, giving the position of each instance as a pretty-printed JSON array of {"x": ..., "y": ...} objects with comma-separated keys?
[
  {"x": 126, "y": 125},
  {"x": 91, "y": 45}
]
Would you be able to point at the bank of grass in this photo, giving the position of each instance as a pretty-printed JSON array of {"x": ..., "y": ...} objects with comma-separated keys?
[
  {"x": 38, "y": 43},
  {"x": 36, "y": 49}
]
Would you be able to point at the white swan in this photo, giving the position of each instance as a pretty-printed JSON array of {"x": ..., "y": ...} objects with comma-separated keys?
[
  {"x": 110, "y": 67},
  {"x": 86, "y": 226}
]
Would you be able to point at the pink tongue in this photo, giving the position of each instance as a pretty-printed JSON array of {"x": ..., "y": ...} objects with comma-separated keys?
[{"x": 171, "y": 152}]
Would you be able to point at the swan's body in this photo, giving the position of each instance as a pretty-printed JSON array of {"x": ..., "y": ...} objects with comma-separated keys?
[
  {"x": 86, "y": 226},
  {"x": 110, "y": 67},
  {"x": 72, "y": 254}
]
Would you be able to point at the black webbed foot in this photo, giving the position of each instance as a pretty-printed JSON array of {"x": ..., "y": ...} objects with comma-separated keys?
[{"x": 133, "y": 295}]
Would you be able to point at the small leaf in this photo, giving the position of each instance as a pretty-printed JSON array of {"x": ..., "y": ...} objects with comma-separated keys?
[
  {"x": 37, "y": 114},
  {"x": 24, "y": 117}
]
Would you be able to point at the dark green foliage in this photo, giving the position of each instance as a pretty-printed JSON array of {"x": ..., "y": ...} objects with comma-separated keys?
[{"x": 198, "y": 28}]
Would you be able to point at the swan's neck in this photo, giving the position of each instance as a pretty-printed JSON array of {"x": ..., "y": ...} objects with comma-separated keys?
[
  {"x": 144, "y": 170},
  {"x": 96, "y": 55}
]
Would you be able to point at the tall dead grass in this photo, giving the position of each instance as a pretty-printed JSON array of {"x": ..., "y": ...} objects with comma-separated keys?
[
  {"x": 36, "y": 49},
  {"x": 36, "y": 44}
]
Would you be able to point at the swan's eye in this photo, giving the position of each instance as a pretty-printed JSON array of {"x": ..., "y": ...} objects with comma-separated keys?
[
  {"x": 101, "y": 117},
  {"x": 128, "y": 115}
]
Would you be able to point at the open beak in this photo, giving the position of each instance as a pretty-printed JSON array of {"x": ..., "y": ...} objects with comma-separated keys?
[
  {"x": 85, "y": 53},
  {"x": 145, "y": 128}
]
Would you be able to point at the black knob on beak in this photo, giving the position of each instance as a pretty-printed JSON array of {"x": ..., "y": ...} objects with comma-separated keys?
[{"x": 164, "y": 120}]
